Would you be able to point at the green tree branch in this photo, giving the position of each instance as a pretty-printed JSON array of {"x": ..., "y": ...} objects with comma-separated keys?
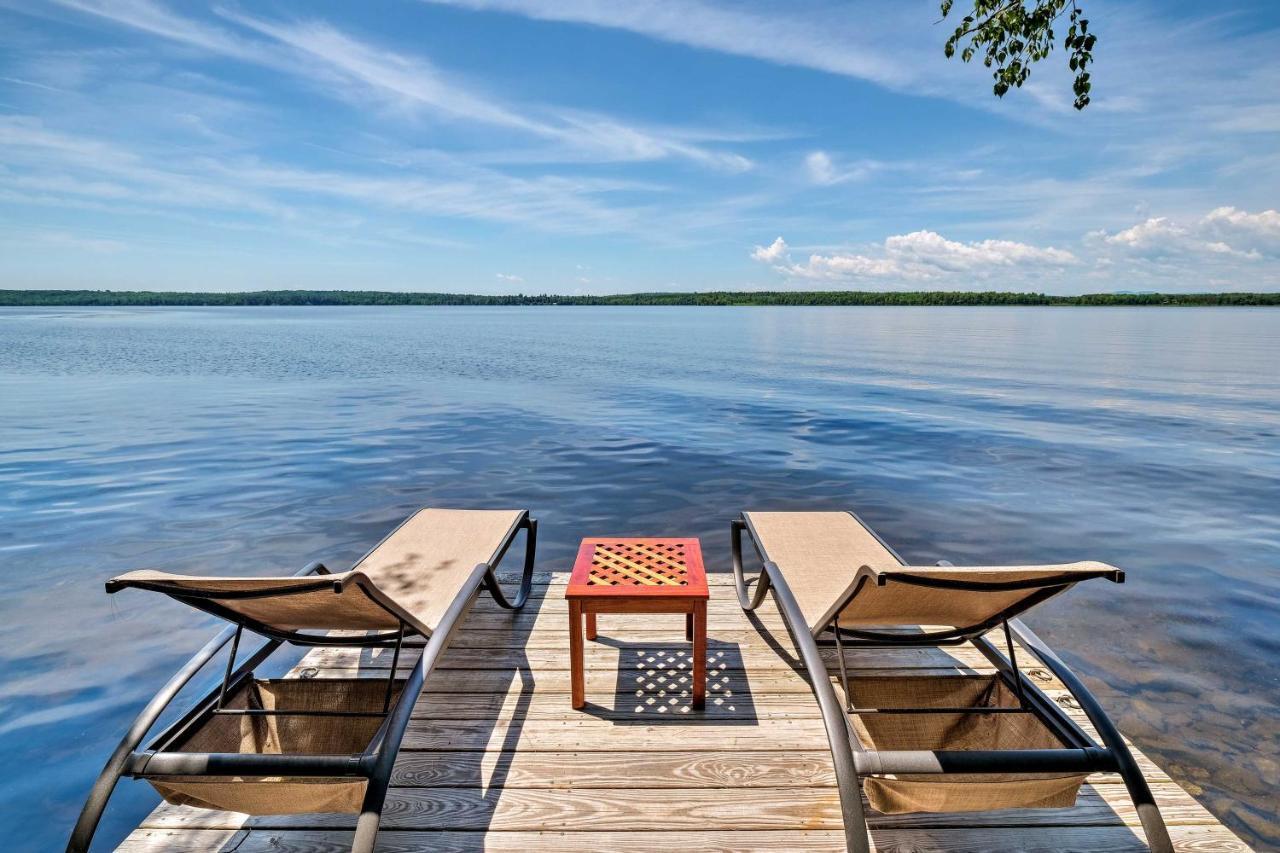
[{"x": 1013, "y": 35}]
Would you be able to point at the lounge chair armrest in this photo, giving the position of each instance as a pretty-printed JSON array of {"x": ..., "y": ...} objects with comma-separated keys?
[
  {"x": 991, "y": 578},
  {"x": 530, "y": 526},
  {"x": 315, "y": 567}
]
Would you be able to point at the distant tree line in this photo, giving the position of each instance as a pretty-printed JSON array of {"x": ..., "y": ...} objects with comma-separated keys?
[{"x": 711, "y": 298}]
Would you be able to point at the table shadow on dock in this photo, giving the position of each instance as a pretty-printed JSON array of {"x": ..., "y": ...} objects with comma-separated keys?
[{"x": 655, "y": 686}]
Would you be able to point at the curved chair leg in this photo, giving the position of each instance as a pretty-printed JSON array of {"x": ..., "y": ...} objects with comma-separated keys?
[
  {"x": 1139, "y": 792},
  {"x": 856, "y": 835},
  {"x": 748, "y": 600},
  {"x": 857, "y": 839},
  {"x": 526, "y": 579},
  {"x": 375, "y": 796},
  {"x": 397, "y": 723},
  {"x": 96, "y": 803}
]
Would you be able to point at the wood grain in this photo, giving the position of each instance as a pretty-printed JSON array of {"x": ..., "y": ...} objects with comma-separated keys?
[
  {"x": 495, "y": 759},
  {"x": 596, "y": 810},
  {"x": 1186, "y": 839}
]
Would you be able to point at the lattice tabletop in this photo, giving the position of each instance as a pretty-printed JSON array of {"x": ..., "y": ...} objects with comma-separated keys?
[{"x": 647, "y": 567}]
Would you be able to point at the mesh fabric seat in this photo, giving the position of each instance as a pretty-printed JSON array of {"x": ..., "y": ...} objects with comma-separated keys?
[
  {"x": 305, "y": 745},
  {"x": 837, "y": 568},
  {"x": 955, "y": 792},
  {"x": 844, "y": 577},
  {"x": 412, "y": 576},
  {"x": 282, "y": 735}
]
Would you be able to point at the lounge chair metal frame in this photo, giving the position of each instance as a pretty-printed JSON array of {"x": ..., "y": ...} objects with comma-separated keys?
[
  {"x": 852, "y": 760},
  {"x": 374, "y": 764}
]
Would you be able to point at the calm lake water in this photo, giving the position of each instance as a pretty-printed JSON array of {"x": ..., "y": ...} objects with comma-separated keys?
[{"x": 255, "y": 440}]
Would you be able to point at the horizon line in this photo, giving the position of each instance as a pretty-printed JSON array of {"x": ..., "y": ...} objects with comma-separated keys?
[{"x": 12, "y": 297}]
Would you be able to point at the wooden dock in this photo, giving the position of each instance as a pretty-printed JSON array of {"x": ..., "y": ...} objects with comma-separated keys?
[{"x": 497, "y": 760}]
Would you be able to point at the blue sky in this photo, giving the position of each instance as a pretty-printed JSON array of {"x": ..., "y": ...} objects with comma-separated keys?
[{"x": 582, "y": 146}]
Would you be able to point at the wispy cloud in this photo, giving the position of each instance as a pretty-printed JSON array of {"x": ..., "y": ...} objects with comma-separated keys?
[
  {"x": 63, "y": 241},
  {"x": 1142, "y": 67},
  {"x": 44, "y": 86},
  {"x": 74, "y": 165},
  {"x": 831, "y": 43},
  {"x": 333, "y": 61},
  {"x": 158, "y": 19},
  {"x": 57, "y": 164},
  {"x": 413, "y": 81},
  {"x": 409, "y": 80},
  {"x": 825, "y": 170}
]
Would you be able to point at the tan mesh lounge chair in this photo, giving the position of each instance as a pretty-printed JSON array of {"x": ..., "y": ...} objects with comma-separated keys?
[
  {"x": 962, "y": 742},
  {"x": 288, "y": 746}
]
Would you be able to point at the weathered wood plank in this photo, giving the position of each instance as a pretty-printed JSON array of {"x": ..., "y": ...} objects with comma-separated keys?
[
  {"x": 592, "y": 734},
  {"x": 646, "y": 656},
  {"x": 701, "y": 768},
  {"x": 496, "y": 760},
  {"x": 689, "y": 768},
  {"x": 601, "y": 683},
  {"x": 1186, "y": 839},
  {"x": 619, "y": 707},
  {"x": 600, "y": 810}
]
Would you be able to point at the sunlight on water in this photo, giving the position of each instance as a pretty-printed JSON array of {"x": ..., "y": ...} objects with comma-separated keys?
[{"x": 255, "y": 440}]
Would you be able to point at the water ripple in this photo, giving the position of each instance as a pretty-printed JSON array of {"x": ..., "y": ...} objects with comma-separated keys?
[{"x": 254, "y": 440}]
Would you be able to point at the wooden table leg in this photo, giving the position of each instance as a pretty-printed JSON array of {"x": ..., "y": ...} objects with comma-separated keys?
[
  {"x": 688, "y": 626},
  {"x": 699, "y": 617},
  {"x": 576, "y": 677},
  {"x": 591, "y": 626}
]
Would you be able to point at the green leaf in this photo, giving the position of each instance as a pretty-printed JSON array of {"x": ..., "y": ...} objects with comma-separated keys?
[{"x": 1013, "y": 35}]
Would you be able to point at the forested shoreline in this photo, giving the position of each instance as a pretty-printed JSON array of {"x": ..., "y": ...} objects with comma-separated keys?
[{"x": 35, "y": 298}]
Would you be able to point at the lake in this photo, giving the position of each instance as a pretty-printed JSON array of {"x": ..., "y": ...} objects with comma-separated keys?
[{"x": 253, "y": 440}]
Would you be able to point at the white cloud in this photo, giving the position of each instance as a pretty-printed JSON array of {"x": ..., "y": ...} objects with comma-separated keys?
[
  {"x": 849, "y": 267},
  {"x": 916, "y": 257},
  {"x": 1156, "y": 233},
  {"x": 514, "y": 279},
  {"x": 771, "y": 254},
  {"x": 821, "y": 169},
  {"x": 1227, "y": 248},
  {"x": 928, "y": 249},
  {"x": 1222, "y": 231},
  {"x": 1258, "y": 232}
]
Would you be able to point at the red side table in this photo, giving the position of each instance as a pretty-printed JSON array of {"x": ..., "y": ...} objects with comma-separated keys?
[{"x": 638, "y": 576}]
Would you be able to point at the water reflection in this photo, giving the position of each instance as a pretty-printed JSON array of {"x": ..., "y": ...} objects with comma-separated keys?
[{"x": 254, "y": 440}]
